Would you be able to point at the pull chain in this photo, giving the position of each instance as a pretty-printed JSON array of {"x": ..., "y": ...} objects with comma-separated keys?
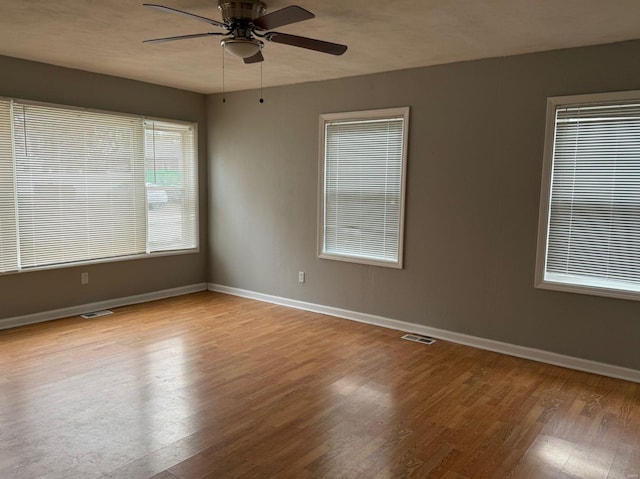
[
  {"x": 224, "y": 99},
  {"x": 261, "y": 99}
]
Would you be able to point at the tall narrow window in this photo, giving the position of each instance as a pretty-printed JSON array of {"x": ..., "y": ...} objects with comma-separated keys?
[
  {"x": 363, "y": 162},
  {"x": 171, "y": 185},
  {"x": 590, "y": 213},
  {"x": 79, "y": 185}
]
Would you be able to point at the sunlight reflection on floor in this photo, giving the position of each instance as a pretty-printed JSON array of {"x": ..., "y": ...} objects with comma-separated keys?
[{"x": 570, "y": 459}]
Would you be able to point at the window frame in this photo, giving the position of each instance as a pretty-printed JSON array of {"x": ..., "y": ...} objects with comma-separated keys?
[
  {"x": 196, "y": 210},
  {"x": 136, "y": 256},
  {"x": 553, "y": 104},
  {"x": 364, "y": 115}
]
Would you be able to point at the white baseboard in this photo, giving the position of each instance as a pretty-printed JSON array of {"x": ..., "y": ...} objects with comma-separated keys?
[
  {"x": 459, "y": 338},
  {"x": 111, "y": 303}
]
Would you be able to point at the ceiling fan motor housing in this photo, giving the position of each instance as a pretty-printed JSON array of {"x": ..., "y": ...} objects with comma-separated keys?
[{"x": 246, "y": 10}]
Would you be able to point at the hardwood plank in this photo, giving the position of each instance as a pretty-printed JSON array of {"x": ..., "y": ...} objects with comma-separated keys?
[{"x": 213, "y": 386}]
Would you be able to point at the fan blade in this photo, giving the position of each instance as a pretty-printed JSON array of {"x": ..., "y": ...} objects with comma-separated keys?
[
  {"x": 215, "y": 23},
  {"x": 284, "y": 16},
  {"x": 181, "y": 37},
  {"x": 257, "y": 58},
  {"x": 309, "y": 43}
]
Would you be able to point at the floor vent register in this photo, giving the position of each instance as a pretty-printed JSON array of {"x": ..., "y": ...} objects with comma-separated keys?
[
  {"x": 95, "y": 314},
  {"x": 419, "y": 339}
]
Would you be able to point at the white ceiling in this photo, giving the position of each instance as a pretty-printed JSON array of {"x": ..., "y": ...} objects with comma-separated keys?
[{"x": 105, "y": 36}]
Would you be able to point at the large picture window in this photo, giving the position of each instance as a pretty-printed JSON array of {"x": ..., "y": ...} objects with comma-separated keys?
[
  {"x": 362, "y": 186},
  {"x": 590, "y": 203},
  {"x": 79, "y": 185}
]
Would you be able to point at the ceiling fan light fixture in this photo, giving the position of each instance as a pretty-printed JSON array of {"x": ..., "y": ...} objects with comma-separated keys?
[{"x": 242, "y": 47}]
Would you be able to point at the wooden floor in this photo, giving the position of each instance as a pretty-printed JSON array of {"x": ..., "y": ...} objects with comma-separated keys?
[{"x": 213, "y": 386}]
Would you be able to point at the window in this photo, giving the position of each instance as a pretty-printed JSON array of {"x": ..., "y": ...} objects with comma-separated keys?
[
  {"x": 79, "y": 185},
  {"x": 589, "y": 235},
  {"x": 362, "y": 186},
  {"x": 170, "y": 176}
]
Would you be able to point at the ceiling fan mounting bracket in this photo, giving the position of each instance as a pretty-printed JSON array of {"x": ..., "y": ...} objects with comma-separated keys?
[{"x": 241, "y": 11}]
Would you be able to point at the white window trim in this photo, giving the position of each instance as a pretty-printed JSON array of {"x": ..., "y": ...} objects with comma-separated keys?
[
  {"x": 553, "y": 103},
  {"x": 400, "y": 112}
]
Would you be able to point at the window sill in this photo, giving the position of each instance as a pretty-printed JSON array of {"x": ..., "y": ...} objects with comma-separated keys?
[
  {"x": 361, "y": 260},
  {"x": 588, "y": 290}
]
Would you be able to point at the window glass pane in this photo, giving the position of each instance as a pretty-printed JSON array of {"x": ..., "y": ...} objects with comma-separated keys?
[{"x": 170, "y": 175}]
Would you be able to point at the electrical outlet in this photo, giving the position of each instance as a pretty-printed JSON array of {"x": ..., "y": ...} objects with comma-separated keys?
[
  {"x": 301, "y": 276},
  {"x": 84, "y": 278}
]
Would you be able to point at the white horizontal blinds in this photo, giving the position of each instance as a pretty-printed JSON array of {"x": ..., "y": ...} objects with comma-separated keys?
[
  {"x": 8, "y": 226},
  {"x": 363, "y": 181},
  {"x": 80, "y": 181},
  {"x": 171, "y": 177},
  {"x": 594, "y": 220}
]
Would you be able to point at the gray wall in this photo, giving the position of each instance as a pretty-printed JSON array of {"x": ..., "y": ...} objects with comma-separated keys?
[
  {"x": 475, "y": 159},
  {"x": 30, "y": 292}
]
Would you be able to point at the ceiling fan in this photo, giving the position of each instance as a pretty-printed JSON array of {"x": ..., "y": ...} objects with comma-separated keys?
[{"x": 247, "y": 22}]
